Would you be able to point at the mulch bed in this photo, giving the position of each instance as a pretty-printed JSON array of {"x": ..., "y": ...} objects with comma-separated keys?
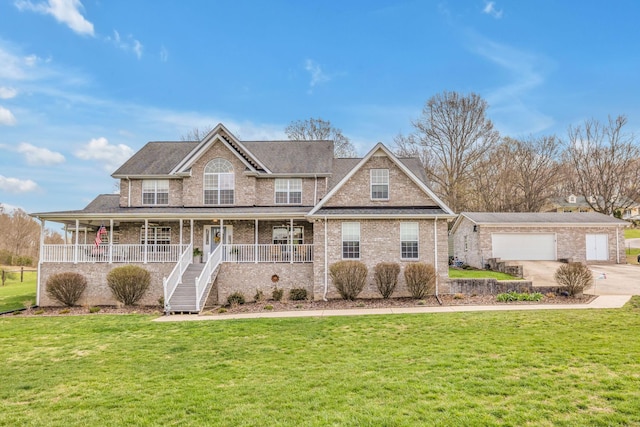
[{"x": 275, "y": 306}]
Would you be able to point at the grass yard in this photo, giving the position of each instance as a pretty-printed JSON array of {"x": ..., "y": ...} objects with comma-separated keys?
[
  {"x": 631, "y": 233},
  {"x": 455, "y": 273},
  {"x": 13, "y": 294},
  {"x": 542, "y": 368}
]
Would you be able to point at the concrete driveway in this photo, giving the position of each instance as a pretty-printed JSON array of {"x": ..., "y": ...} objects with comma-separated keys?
[{"x": 610, "y": 279}]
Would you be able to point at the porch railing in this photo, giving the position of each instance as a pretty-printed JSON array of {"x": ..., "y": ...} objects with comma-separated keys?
[
  {"x": 89, "y": 253},
  {"x": 170, "y": 283},
  {"x": 267, "y": 253},
  {"x": 212, "y": 263},
  {"x": 115, "y": 253}
]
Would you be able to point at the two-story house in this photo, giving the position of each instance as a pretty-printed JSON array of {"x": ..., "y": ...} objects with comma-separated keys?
[{"x": 262, "y": 213}]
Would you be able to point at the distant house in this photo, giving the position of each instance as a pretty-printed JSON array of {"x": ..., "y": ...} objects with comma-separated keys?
[
  {"x": 584, "y": 237},
  {"x": 263, "y": 214},
  {"x": 573, "y": 203}
]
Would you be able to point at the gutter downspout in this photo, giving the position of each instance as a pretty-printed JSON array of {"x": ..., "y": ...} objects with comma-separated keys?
[
  {"x": 129, "y": 189},
  {"x": 326, "y": 262}
]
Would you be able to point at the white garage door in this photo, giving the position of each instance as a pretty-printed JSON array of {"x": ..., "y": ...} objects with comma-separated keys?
[
  {"x": 524, "y": 246},
  {"x": 597, "y": 247}
]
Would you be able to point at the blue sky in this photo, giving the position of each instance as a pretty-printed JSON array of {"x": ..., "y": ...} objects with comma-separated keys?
[{"x": 86, "y": 83}]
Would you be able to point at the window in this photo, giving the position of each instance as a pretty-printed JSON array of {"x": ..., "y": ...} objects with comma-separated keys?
[
  {"x": 157, "y": 235},
  {"x": 155, "y": 192},
  {"x": 466, "y": 243},
  {"x": 281, "y": 235},
  {"x": 409, "y": 240},
  {"x": 289, "y": 191},
  {"x": 380, "y": 184},
  {"x": 219, "y": 182},
  {"x": 350, "y": 240}
]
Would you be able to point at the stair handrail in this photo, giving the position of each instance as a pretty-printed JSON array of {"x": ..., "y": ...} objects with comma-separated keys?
[
  {"x": 171, "y": 282},
  {"x": 202, "y": 280}
]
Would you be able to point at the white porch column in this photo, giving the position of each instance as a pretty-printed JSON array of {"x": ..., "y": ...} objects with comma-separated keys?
[
  {"x": 42, "y": 230},
  {"x": 111, "y": 241},
  {"x": 191, "y": 232},
  {"x": 291, "y": 240},
  {"x": 146, "y": 239},
  {"x": 75, "y": 249},
  {"x": 181, "y": 236},
  {"x": 435, "y": 250},
  {"x": 255, "y": 246}
]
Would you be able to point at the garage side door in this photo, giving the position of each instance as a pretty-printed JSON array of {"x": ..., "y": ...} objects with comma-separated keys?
[
  {"x": 597, "y": 247},
  {"x": 524, "y": 246}
]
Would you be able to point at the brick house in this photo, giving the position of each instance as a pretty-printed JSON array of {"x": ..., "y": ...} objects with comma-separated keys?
[
  {"x": 533, "y": 236},
  {"x": 262, "y": 213},
  {"x": 573, "y": 203}
]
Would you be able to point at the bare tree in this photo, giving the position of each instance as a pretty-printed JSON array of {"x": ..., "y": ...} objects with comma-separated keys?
[
  {"x": 196, "y": 134},
  {"x": 455, "y": 133},
  {"x": 604, "y": 161},
  {"x": 321, "y": 130}
]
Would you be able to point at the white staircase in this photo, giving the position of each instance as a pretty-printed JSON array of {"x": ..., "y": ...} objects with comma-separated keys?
[{"x": 183, "y": 299}]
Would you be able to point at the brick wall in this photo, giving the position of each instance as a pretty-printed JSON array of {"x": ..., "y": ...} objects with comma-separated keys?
[
  {"x": 249, "y": 278},
  {"x": 97, "y": 292},
  {"x": 379, "y": 242}
]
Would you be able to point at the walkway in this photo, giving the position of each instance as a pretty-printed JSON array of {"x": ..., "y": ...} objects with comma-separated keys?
[{"x": 603, "y": 301}]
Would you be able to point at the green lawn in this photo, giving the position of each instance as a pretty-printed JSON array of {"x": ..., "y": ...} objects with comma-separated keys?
[
  {"x": 631, "y": 233},
  {"x": 455, "y": 273},
  {"x": 13, "y": 294},
  {"x": 542, "y": 368}
]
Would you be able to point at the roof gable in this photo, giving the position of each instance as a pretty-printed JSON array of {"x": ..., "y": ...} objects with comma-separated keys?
[
  {"x": 220, "y": 134},
  {"x": 380, "y": 150}
]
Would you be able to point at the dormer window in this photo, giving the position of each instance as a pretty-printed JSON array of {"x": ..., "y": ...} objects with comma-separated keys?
[
  {"x": 592, "y": 199},
  {"x": 571, "y": 199},
  {"x": 155, "y": 192},
  {"x": 379, "y": 184},
  {"x": 219, "y": 182}
]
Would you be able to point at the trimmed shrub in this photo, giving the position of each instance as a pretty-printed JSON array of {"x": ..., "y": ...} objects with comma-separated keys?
[
  {"x": 277, "y": 294},
  {"x": 420, "y": 278},
  {"x": 386, "y": 277},
  {"x": 298, "y": 294},
  {"x": 574, "y": 277},
  {"x": 236, "y": 298},
  {"x": 349, "y": 278},
  {"x": 66, "y": 288},
  {"x": 259, "y": 296},
  {"x": 128, "y": 283}
]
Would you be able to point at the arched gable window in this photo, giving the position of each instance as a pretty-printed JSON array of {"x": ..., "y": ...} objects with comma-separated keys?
[{"x": 219, "y": 182}]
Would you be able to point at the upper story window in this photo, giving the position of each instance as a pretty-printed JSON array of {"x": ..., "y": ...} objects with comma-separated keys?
[
  {"x": 351, "y": 240},
  {"x": 409, "y": 240},
  {"x": 380, "y": 184},
  {"x": 219, "y": 182},
  {"x": 289, "y": 191},
  {"x": 155, "y": 192}
]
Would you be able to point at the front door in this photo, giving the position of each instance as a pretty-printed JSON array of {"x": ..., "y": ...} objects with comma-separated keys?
[{"x": 212, "y": 237}]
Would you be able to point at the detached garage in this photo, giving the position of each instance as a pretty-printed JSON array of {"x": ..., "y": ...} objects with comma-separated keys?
[{"x": 576, "y": 236}]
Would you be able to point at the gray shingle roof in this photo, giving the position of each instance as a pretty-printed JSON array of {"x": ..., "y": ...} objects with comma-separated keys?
[
  {"x": 541, "y": 218},
  {"x": 302, "y": 157},
  {"x": 156, "y": 158}
]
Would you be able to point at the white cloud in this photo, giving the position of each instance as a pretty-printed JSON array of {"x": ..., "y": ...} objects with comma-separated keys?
[
  {"x": 490, "y": 9},
  {"x": 6, "y": 117},
  {"x": 317, "y": 75},
  {"x": 128, "y": 45},
  {"x": 67, "y": 12},
  {"x": 164, "y": 54},
  {"x": 15, "y": 185},
  {"x": 7, "y": 92},
  {"x": 111, "y": 156},
  {"x": 37, "y": 156}
]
